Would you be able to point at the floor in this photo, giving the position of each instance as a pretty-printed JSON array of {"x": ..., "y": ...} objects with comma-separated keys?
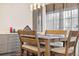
[
  {"x": 8, "y": 54},
  {"x": 11, "y": 54},
  {"x": 15, "y": 54}
]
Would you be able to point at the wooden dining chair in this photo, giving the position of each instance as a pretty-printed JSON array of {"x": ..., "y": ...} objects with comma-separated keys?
[
  {"x": 56, "y": 33},
  {"x": 29, "y": 46},
  {"x": 70, "y": 48}
]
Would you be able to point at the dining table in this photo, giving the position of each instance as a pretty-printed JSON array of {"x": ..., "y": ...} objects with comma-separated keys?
[{"x": 47, "y": 39}]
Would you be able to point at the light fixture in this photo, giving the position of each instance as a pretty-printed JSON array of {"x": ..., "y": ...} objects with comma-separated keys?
[
  {"x": 43, "y": 5},
  {"x": 34, "y": 6},
  {"x": 39, "y": 5}
]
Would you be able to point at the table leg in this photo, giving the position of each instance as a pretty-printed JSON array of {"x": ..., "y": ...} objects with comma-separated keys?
[
  {"x": 64, "y": 43},
  {"x": 47, "y": 47}
]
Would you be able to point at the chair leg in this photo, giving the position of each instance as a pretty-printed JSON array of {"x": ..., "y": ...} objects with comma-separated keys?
[
  {"x": 29, "y": 53},
  {"x": 42, "y": 53},
  {"x": 22, "y": 51},
  {"x": 52, "y": 54},
  {"x": 64, "y": 43},
  {"x": 26, "y": 53}
]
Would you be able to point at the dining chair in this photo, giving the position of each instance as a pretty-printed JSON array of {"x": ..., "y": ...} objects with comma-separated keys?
[
  {"x": 56, "y": 33},
  {"x": 29, "y": 46},
  {"x": 70, "y": 48}
]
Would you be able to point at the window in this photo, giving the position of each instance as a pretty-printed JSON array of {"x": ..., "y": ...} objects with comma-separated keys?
[
  {"x": 70, "y": 18},
  {"x": 56, "y": 20},
  {"x": 49, "y": 21},
  {"x": 39, "y": 23},
  {"x": 66, "y": 19},
  {"x": 52, "y": 20}
]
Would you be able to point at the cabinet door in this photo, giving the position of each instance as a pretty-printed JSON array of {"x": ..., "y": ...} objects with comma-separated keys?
[
  {"x": 17, "y": 43},
  {"x": 3, "y": 43},
  {"x": 13, "y": 42}
]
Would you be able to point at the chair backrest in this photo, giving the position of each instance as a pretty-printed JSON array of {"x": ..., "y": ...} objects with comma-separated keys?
[
  {"x": 31, "y": 41},
  {"x": 56, "y": 32},
  {"x": 28, "y": 32},
  {"x": 25, "y": 32},
  {"x": 27, "y": 28},
  {"x": 72, "y": 42}
]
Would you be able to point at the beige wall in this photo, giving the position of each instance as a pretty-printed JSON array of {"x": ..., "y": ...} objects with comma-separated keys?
[{"x": 20, "y": 16}]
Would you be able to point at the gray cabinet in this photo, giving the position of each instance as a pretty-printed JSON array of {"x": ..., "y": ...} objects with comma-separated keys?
[{"x": 9, "y": 43}]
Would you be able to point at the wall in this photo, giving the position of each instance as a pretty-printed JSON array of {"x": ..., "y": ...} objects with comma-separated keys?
[{"x": 17, "y": 15}]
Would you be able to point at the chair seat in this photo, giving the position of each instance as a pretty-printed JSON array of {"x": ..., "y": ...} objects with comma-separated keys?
[
  {"x": 61, "y": 50},
  {"x": 33, "y": 48}
]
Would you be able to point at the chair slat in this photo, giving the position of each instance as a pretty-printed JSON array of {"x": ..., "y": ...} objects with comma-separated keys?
[
  {"x": 28, "y": 40},
  {"x": 55, "y": 32},
  {"x": 71, "y": 54},
  {"x": 74, "y": 33},
  {"x": 72, "y": 43}
]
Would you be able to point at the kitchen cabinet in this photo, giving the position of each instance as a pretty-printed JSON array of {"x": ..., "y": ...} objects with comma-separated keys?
[{"x": 9, "y": 43}]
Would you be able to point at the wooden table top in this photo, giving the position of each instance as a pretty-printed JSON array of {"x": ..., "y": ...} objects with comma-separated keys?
[{"x": 43, "y": 37}]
